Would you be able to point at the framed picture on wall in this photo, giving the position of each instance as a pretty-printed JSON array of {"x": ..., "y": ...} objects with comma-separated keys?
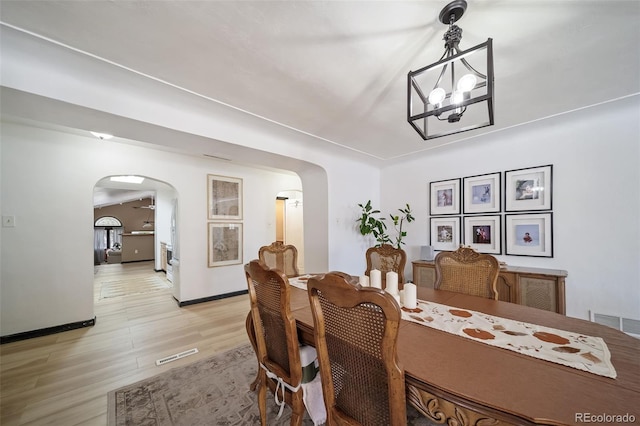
[
  {"x": 482, "y": 233},
  {"x": 528, "y": 189},
  {"x": 529, "y": 234},
  {"x": 224, "y": 197},
  {"x": 445, "y": 197},
  {"x": 224, "y": 244},
  {"x": 481, "y": 193},
  {"x": 445, "y": 233}
]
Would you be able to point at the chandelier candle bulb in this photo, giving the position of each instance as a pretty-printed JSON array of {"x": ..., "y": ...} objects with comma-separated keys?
[
  {"x": 437, "y": 96},
  {"x": 375, "y": 278},
  {"x": 364, "y": 281},
  {"x": 467, "y": 83},
  {"x": 392, "y": 283},
  {"x": 410, "y": 296}
]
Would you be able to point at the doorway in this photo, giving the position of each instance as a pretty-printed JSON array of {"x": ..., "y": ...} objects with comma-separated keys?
[
  {"x": 290, "y": 222},
  {"x": 147, "y": 211}
]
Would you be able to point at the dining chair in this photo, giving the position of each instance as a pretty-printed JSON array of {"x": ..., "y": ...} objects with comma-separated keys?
[
  {"x": 386, "y": 258},
  {"x": 273, "y": 334},
  {"x": 467, "y": 271},
  {"x": 283, "y": 257},
  {"x": 356, "y": 333}
]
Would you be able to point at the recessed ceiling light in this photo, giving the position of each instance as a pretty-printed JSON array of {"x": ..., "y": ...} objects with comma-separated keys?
[
  {"x": 127, "y": 179},
  {"x": 103, "y": 136}
]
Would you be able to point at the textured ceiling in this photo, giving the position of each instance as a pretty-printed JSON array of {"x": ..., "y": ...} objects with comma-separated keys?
[{"x": 337, "y": 69}]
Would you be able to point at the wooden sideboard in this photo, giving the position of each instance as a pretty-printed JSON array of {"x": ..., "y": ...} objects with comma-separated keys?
[{"x": 535, "y": 287}]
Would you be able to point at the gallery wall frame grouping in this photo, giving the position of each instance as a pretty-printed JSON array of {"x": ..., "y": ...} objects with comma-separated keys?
[
  {"x": 469, "y": 211},
  {"x": 224, "y": 216}
]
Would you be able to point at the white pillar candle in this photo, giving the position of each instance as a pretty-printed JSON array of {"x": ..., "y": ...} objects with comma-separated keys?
[
  {"x": 397, "y": 297},
  {"x": 401, "y": 297},
  {"x": 391, "y": 283},
  {"x": 375, "y": 278},
  {"x": 410, "y": 296},
  {"x": 364, "y": 281}
]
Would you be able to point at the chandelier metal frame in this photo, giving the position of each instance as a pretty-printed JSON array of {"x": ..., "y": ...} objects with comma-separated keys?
[{"x": 458, "y": 102}]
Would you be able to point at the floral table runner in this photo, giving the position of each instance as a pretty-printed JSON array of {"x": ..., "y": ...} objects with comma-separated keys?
[{"x": 571, "y": 349}]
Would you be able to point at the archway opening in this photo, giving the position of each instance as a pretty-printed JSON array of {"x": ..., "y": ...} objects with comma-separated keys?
[{"x": 148, "y": 231}]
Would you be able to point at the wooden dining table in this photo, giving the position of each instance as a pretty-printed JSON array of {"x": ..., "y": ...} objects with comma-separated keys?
[{"x": 454, "y": 380}]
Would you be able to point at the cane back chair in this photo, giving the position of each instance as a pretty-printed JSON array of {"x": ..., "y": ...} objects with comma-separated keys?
[
  {"x": 467, "y": 271},
  {"x": 356, "y": 332},
  {"x": 386, "y": 258},
  {"x": 275, "y": 339},
  {"x": 280, "y": 256}
]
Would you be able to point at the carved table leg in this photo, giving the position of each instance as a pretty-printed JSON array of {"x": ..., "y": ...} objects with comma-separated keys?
[{"x": 442, "y": 411}]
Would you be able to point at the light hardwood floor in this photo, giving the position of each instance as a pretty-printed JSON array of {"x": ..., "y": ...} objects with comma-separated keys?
[{"x": 63, "y": 379}]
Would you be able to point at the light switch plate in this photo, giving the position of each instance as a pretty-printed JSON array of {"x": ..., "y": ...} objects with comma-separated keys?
[{"x": 8, "y": 221}]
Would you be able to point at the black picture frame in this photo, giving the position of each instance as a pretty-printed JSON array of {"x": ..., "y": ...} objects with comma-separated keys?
[
  {"x": 482, "y": 193},
  {"x": 483, "y": 233},
  {"x": 445, "y": 233},
  {"x": 528, "y": 189},
  {"x": 444, "y": 197},
  {"x": 529, "y": 234}
]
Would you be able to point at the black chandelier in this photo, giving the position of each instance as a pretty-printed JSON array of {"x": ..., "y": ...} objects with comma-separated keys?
[{"x": 456, "y": 91}]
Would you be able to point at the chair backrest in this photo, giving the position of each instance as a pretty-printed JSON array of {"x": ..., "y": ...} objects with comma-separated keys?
[
  {"x": 274, "y": 325},
  {"x": 280, "y": 256},
  {"x": 386, "y": 258},
  {"x": 467, "y": 271},
  {"x": 356, "y": 333}
]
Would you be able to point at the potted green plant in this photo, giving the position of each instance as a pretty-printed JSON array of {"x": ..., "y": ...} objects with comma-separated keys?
[
  {"x": 371, "y": 224},
  {"x": 398, "y": 221}
]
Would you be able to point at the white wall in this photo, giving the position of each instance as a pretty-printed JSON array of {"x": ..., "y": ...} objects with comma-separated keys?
[
  {"x": 348, "y": 186},
  {"x": 595, "y": 154},
  {"x": 47, "y": 184}
]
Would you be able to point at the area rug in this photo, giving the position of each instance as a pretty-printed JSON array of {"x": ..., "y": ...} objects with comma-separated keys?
[
  {"x": 212, "y": 391},
  {"x": 109, "y": 289}
]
